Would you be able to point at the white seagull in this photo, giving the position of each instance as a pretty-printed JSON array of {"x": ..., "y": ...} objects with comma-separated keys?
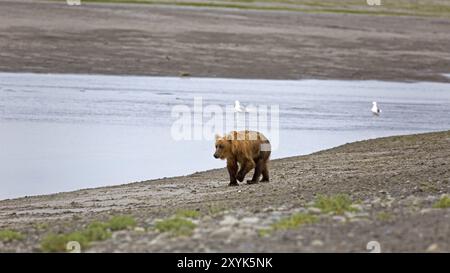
[
  {"x": 239, "y": 108},
  {"x": 375, "y": 110}
]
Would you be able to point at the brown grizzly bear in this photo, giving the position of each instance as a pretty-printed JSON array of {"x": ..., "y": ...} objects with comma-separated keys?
[{"x": 248, "y": 148}]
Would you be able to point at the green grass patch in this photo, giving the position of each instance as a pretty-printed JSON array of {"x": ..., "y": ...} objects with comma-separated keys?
[
  {"x": 187, "y": 213},
  {"x": 336, "y": 204},
  {"x": 95, "y": 231},
  {"x": 443, "y": 203},
  {"x": 176, "y": 226},
  {"x": 8, "y": 235},
  {"x": 292, "y": 222},
  {"x": 58, "y": 242},
  {"x": 121, "y": 222}
]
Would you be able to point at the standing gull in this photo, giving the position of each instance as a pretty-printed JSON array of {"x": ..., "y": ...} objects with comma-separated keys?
[
  {"x": 241, "y": 108},
  {"x": 375, "y": 110},
  {"x": 238, "y": 107}
]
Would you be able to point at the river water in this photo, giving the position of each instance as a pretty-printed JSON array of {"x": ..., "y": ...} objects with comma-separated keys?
[{"x": 65, "y": 132}]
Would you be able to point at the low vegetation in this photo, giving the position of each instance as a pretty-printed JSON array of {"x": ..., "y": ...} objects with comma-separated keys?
[
  {"x": 95, "y": 231},
  {"x": 176, "y": 226},
  {"x": 443, "y": 203},
  {"x": 188, "y": 214},
  {"x": 121, "y": 222},
  {"x": 334, "y": 204},
  {"x": 292, "y": 222},
  {"x": 9, "y": 235},
  {"x": 58, "y": 242}
]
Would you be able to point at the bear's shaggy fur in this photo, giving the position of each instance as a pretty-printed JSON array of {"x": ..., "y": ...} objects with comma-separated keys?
[{"x": 249, "y": 149}]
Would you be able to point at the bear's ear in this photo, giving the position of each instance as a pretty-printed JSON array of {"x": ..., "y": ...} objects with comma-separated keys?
[
  {"x": 218, "y": 137},
  {"x": 235, "y": 135}
]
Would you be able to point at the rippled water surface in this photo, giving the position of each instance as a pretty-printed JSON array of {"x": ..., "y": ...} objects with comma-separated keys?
[{"x": 66, "y": 132}]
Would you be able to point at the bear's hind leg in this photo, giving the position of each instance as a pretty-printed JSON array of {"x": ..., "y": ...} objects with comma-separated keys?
[
  {"x": 257, "y": 173},
  {"x": 265, "y": 172}
]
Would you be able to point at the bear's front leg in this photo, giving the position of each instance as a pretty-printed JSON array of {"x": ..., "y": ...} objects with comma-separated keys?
[
  {"x": 232, "y": 167},
  {"x": 246, "y": 167}
]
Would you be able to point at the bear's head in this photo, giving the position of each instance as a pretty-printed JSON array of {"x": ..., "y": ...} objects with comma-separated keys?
[{"x": 223, "y": 147}]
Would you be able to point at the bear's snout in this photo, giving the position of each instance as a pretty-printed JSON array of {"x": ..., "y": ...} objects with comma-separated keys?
[{"x": 216, "y": 156}]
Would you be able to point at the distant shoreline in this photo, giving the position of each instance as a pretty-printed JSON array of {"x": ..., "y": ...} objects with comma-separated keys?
[{"x": 152, "y": 40}]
